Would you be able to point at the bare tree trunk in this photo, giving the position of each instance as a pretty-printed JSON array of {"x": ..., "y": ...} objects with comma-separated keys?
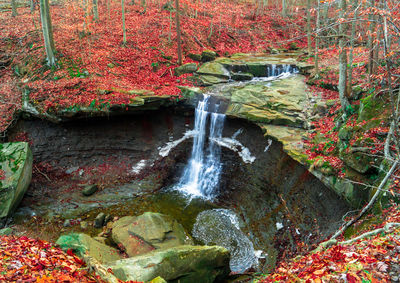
[
  {"x": 108, "y": 9},
  {"x": 47, "y": 31},
  {"x": 284, "y": 8},
  {"x": 343, "y": 59},
  {"x": 32, "y": 4},
  {"x": 309, "y": 27},
  {"x": 123, "y": 22},
  {"x": 353, "y": 35},
  {"x": 95, "y": 10},
  {"x": 178, "y": 32},
  {"x": 316, "y": 59},
  {"x": 14, "y": 8},
  {"x": 370, "y": 41}
]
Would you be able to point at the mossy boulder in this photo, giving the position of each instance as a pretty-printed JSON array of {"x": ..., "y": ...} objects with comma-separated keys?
[
  {"x": 149, "y": 231},
  {"x": 184, "y": 264},
  {"x": 84, "y": 245},
  {"x": 345, "y": 133},
  {"x": 16, "y": 173},
  {"x": 210, "y": 80},
  {"x": 280, "y": 103},
  {"x": 370, "y": 107},
  {"x": 214, "y": 69},
  {"x": 242, "y": 76},
  {"x": 257, "y": 69},
  {"x": 186, "y": 69},
  {"x": 195, "y": 57},
  {"x": 208, "y": 55}
]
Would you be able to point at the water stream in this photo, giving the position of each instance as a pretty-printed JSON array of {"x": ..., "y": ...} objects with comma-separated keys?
[{"x": 202, "y": 173}]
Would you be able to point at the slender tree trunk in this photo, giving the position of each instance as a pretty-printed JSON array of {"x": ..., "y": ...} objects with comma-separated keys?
[
  {"x": 14, "y": 8},
  {"x": 32, "y": 4},
  {"x": 108, "y": 9},
  {"x": 47, "y": 31},
  {"x": 95, "y": 10},
  {"x": 284, "y": 8},
  {"x": 123, "y": 22},
  {"x": 170, "y": 27},
  {"x": 316, "y": 59},
  {"x": 370, "y": 41},
  {"x": 343, "y": 59},
  {"x": 178, "y": 32},
  {"x": 353, "y": 35},
  {"x": 309, "y": 27}
]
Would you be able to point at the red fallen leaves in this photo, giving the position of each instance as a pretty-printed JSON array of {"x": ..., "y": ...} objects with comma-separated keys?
[
  {"x": 363, "y": 261},
  {"x": 29, "y": 260},
  {"x": 2, "y": 175},
  {"x": 93, "y": 57},
  {"x": 366, "y": 260}
]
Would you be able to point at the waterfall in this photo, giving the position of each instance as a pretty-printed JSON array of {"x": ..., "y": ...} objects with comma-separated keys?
[{"x": 201, "y": 174}]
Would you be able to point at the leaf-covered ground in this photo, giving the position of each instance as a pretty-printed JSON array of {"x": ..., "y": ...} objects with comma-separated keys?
[
  {"x": 95, "y": 68},
  {"x": 23, "y": 259},
  {"x": 370, "y": 259}
]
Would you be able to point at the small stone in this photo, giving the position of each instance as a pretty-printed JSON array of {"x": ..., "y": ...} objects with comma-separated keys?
[
  {"x": 99, "y": 220},
  {"x": 274, "y": 51},
  {"x": 67, "y": 223},
  {"x": 84, "y": 225},
  {"x": 71, "y": 170},
  {"x": 395, "y": 279},
  {"x": 107, "y": 219},
  {"x": 6, "y": 231},
  {"x": 90, "y": 190}
]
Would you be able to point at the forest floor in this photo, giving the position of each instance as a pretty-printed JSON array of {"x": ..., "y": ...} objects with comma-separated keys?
[{"x": 95, "y": 68}]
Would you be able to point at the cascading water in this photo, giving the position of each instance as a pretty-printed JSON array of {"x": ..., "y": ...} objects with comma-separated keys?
[{"x": 201, "y": 175}]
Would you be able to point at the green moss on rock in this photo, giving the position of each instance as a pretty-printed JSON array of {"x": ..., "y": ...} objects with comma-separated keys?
[{"x": 16, "y": 162}]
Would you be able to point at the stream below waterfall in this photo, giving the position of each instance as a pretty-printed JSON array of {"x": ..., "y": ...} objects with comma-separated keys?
[{"x": 219, "y": 177}]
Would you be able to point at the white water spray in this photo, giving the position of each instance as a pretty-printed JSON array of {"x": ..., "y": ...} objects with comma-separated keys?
[{"x": 201, "y": 175}]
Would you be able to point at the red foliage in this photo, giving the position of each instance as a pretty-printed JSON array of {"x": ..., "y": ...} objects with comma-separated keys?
[
  {"x": 94, "y": 68},
  {"x": 30, "y": 260},
  {"x": 366, "y": 260}
]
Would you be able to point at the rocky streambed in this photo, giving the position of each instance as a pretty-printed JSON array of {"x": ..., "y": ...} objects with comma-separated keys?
[{"x": 90, "y": 174}]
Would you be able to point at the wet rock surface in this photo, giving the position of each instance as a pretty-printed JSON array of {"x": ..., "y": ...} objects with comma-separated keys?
[
  {"x": 185, "y": 264},
  {"x": 149, "y": 231},
  {"x": 16, "y": 172}
]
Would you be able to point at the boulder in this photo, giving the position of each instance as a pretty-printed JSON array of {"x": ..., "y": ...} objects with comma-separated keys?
[
  {"x": 209, "y": 80},
  {"x": 214, "y": 69},
  {"x": 15, "y": 175},
  {"x": 186, "y": 69},
  {"x": 99, "y": 220},
  {"x": 242, "y": 76},
  {"x": 185, "y": 264},
  {"x": 195, "y": 57},
  {"x": 149, "y": 231},
  {"x": 280, "y": 103},
  {"x": 84, "y": 245},
  {"x": 208, "y": 55},
  {"x": 258, "y": 69},
  {"x": 90, "y": 190}
]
